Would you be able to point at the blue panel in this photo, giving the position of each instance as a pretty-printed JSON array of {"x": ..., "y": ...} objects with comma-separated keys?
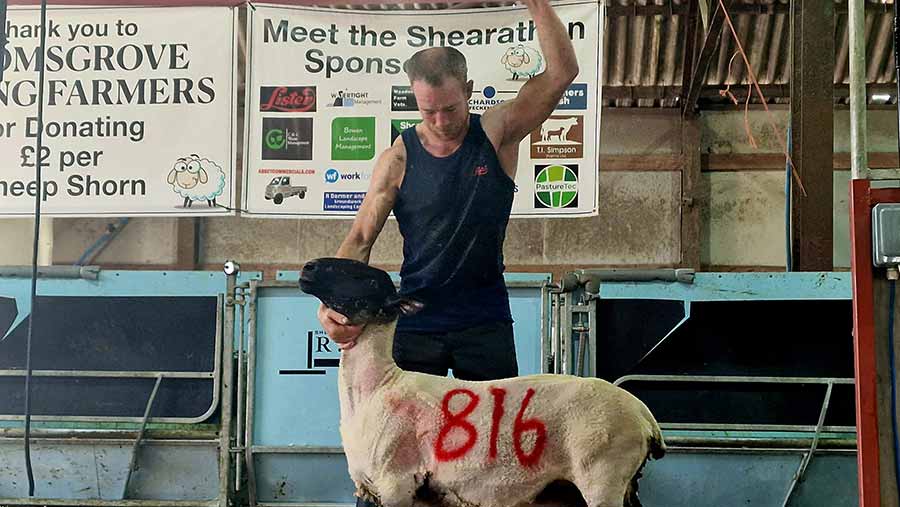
[
  {"x": 125, "y": 320},
  {"x": 295, "y": 401},
  {"x": 738, "y": 287},
  {"x": 98, "y": 470},
  {"x": 295, "y": 391},
  {"x": 312, "y": 478},
  {"x": 705, "y": 479}
]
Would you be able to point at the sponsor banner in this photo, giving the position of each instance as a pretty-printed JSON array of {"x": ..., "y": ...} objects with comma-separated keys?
[
  {"x": 139, "y": 112},
  {"x": 345, "y": 98}
]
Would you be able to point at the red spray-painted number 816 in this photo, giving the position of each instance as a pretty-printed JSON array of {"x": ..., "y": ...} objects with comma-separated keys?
[{"x": 520, "y": 426}]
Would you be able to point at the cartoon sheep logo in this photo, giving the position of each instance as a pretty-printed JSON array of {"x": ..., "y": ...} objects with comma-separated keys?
[
  {"x": 197, "y": 179},
  {"x": 522, "y": 61}
]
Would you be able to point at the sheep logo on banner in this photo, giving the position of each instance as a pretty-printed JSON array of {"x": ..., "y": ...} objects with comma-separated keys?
[
  {"x": 197, "y": 179},
  {"x": 522, "y": 61}
]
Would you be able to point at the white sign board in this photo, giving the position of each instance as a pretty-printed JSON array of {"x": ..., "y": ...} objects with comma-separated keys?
[
  {"x": 139, "y": 112},
  {"x": 326, "y": 93}
]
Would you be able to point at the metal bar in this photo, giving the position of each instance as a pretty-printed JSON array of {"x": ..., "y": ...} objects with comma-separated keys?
[
  {"x": 546, "y": 352},
  {"x": 555, "y": 316},
  {"x": 227, "y": 369},
  {"x": 736, "y": 378},
  {"x": 710, "y": 45},
  {"x": 239, "y": 418},
  {"x": 302, "y": 504},
  {"x": 137, "y": 441},
  {"x": 864, "y": 353},
  {"x": 65, "y": 272},
  {"x": 592, "y": 338},
  {"x": 90, "y": 502},
  {"x": 296, "y": 449},
  {"x": 768, "y": 443},
  {"x": 582, "y": 351},
  {"x": 807, "y": 457},
  {"x": 859, "y": 166},
  {"x": 566, "y": 334},
  {"x": 753, "y": 427},
  {"x": 78, "y": 440},
  {"x": 251, "y": 393},
  {"x": 107, "y": 374},
  {"x": 732, "y": 451}
]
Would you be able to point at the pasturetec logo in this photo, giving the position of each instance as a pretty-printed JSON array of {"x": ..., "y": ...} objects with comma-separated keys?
[
  {"x": 556, "y": 186},
  {"x": 287, "y": 99}
]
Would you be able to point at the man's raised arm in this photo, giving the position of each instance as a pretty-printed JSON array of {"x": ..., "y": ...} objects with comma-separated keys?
[{"x": 541, "y": 94}]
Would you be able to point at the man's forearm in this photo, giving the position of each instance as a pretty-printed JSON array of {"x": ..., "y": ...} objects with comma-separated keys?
[
  {"x": 559, "y": 54},
  {"x": 353, "y": 248}
]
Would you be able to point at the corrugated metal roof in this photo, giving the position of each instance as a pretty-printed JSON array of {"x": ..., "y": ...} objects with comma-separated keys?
[
  {"x": 643, "y": 49},
  {"x": 645, "y": 53}
]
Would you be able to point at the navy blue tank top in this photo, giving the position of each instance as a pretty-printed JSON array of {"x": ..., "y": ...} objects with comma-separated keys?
[{"x": 452, "y": 213}]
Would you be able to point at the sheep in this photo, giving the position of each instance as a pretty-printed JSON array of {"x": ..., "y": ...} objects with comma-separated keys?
[
  {"x": 522, "y": 60},
  {"x": 417, "y": 439},
  {"x": 197, "y": 179}
]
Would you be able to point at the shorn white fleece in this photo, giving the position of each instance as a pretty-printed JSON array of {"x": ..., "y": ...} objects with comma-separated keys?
[{"x": 488, "y": 444}]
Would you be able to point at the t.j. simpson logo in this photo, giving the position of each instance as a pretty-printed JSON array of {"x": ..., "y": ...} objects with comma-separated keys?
[
  {"x": 287, "y": 99},
  {"x": 556, "y": 186}
]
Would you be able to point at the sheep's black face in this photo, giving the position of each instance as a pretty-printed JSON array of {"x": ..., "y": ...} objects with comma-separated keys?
[{"x": 360, "y": 292}]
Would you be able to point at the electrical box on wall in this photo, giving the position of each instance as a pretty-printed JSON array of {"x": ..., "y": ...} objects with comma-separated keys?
[{"x": 886, "y": 234}]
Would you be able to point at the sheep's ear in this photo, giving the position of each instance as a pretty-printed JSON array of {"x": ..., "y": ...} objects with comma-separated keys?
[{"x": 405, "y": 305}]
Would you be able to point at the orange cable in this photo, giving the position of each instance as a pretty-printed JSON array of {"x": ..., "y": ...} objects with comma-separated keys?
[{"x": 763, "y": 99}]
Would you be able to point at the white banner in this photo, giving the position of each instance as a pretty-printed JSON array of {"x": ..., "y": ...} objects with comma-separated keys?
[
  {"x": 326, "y": 93},
  {"x": 139, "y": 112}
]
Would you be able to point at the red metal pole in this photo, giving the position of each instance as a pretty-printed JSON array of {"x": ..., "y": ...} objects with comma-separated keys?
[{"x": 864, "y": 344}]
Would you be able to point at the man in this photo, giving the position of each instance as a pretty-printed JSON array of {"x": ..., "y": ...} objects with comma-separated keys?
[{"x": 450, "y": 182}]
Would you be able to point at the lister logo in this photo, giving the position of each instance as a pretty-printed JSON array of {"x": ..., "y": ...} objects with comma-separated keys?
[{"x": 287, "y": 99}]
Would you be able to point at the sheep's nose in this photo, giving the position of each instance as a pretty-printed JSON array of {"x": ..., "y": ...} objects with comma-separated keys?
[{"x": 309, "y": 267}]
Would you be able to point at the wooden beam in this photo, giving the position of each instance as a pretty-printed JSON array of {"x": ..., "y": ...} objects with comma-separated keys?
[
  {"x": 619, "y": 163},
  {"x": 711, "y": 93},
  {"x": 812, "y": 134},
  {"x": 186, "y": 237},
  {"x": 690, "y": 41},
  {"x": 710, "y": 45},
  {"x": 690, "y": 184}
]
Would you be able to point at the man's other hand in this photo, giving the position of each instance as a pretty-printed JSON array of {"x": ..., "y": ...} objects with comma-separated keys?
[{"x": 337, "y": 328}]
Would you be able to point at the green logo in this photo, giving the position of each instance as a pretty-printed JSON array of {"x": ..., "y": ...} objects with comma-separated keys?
[
  {"x": 275, "y": 139},
  {"x": 556, "y": 186},
  {"x": 353, "y": 138}
]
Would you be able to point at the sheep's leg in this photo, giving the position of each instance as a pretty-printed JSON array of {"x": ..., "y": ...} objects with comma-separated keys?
[
  {"x": 594, "y": 497},
  {"x": 397, "y": 496},
  {"x": 186, "y": 201},
  {"x": 397, "y": 492},
  {"x": 602, "y": 489}
]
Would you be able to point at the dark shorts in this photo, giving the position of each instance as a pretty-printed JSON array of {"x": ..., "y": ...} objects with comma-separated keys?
[{"x": 486, "y": 352}]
